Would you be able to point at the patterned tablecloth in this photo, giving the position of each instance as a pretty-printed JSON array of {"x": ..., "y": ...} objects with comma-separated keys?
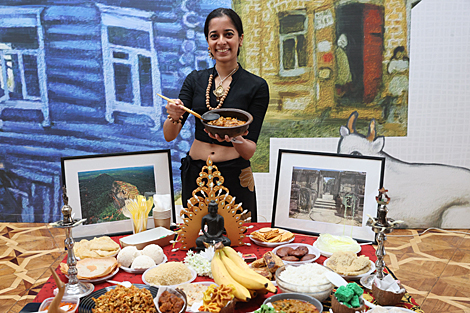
[{"x": 368, "y": 250}]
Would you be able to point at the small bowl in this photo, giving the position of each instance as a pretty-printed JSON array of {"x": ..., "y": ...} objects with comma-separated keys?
[
  {"x": 321, "y": 291},
  {"x": 230, "y": 131},
  {"x": 384, "y": 297},
  {"x": 338, "y": 307},
  {"x": 177, "y": 292},
  {"x": 74, "y": 300},
  {"x": 295, "y": 296},
  {"x": 311, "y": 250}
]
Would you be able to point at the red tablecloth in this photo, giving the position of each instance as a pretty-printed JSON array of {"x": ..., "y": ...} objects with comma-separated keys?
[{"x": 368, "y": 250}]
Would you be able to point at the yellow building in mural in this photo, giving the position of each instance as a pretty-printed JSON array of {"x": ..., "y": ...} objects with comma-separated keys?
[{"x": 324, "y": 54}]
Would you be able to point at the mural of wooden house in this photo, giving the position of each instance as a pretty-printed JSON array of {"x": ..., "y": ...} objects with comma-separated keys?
[{"x": 81, "y": 77}]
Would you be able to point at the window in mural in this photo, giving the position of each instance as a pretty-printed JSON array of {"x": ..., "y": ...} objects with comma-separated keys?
[
  {"x": 293, "y": 49},
  {"x": 22, "y": 64},
  {"x": 130, "y": 62}
]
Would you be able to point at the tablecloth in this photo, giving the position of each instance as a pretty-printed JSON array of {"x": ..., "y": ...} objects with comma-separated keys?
[{"x": 367, "y": 250}]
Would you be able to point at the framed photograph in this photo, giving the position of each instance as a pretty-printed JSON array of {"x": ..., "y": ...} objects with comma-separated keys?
[
  {"x": 326, "y": 193},
  {"x": 98, "y": 185}
]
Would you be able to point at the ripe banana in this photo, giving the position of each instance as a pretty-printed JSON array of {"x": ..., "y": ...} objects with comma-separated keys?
[
  {"x": 238, "y": 260},
  {"x": 249, "y": 281},
  {"x": 221, "y": 276}
]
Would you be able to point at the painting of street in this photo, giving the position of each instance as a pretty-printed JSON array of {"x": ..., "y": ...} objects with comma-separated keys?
[{"x": 326, "y": 195}]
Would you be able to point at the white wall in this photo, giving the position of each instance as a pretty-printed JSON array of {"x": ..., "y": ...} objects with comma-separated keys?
[{"x": 439, "y": 98}]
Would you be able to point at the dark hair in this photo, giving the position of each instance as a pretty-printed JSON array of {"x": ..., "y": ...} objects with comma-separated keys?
[
  {"x": 220, "y": 12},
  {"x": 395, "y": 52}
]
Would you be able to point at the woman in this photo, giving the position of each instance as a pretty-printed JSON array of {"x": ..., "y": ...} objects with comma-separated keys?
[{"x": 227, "y": 85}]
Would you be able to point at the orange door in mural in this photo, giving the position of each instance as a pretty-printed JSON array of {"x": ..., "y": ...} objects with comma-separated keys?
[{"x": 373, "y": 49}]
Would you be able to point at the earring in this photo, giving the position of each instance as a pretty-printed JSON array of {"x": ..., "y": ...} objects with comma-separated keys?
[{"x": 210, "y": 53}]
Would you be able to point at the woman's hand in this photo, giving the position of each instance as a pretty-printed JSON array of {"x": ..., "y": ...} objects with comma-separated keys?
[
  {"x": 239, "y": 139},
  {"x": 174, "y": 109}
]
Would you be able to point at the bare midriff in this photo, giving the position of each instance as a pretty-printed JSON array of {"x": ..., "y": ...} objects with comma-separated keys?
[{"x": 201, "y": 150}]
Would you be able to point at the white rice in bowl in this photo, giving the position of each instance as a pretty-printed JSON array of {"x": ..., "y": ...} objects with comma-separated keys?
[
  {"x": 168, "y": 274},
  {"x": 309, "y": 277}
]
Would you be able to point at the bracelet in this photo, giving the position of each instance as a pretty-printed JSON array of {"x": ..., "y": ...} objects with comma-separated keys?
[{"x": 179, "y": 121}]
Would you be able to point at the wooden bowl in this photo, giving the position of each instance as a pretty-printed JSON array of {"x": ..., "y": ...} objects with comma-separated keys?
[
  {"x": 341, "y": 308},
  {"x": 383, "y": 297},
  {"x": 230, "y": 131}
]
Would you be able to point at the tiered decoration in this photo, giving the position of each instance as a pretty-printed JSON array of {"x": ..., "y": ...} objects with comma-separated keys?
[{"x": 210, "y": 187}]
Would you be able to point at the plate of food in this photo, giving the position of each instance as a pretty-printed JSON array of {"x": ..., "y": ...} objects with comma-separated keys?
[
  {"x": 327, "y": 244},
  {"x": 94, "y": 269},
  {"x": 111, "y": 297},
  {"x": 195, "y": 292},
  {"x": 170, "y": 274},
  {"x": 349, "y": 265},
  {"x": 98, "y": 247},
  {"x": 135, "y": 261},
  {"x": 271, "y": 237},
  {"x": 297, "y": 253}
]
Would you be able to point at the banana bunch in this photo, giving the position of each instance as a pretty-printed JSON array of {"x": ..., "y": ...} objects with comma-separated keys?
[{"x": 228, "y": 267}]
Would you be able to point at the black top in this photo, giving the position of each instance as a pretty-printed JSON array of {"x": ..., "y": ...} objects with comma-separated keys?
[{"x": 247, "y": 92}]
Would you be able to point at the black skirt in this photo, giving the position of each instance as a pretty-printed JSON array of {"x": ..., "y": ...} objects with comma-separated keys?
[{"x": 238, "y": 178}]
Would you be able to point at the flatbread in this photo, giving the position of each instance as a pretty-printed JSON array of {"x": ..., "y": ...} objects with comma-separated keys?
[
  {"x": 92, "y": 268},
  {"x": 96, "y": 248},
  {"x": 348, "y": 264}
]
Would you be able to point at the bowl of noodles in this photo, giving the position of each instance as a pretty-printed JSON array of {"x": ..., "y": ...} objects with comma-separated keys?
[{"x": 232, "y": 122}]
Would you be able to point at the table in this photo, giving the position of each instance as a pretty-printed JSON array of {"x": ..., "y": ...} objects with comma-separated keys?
[{"x": 367, "y": 250}]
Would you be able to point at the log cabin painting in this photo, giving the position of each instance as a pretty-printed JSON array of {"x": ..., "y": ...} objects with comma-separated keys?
[{"x": 81, "y": 78}]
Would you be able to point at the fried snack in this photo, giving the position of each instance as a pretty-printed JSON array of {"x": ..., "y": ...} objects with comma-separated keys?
[
  {"x": 348, "y": 264},
  {"x": 96, "y": 248},
  {"x": 92, "y": 268},
  {"x": 263, "y": 271},
  {"x": 122, "y": 299},
  {"x": 170, "y": 303},
  {"x": 215, "y": 298},
  {"x": 273, "y": 235},
  {"x": 258, "y": 263},
  {"x": 273, "y": 262}
]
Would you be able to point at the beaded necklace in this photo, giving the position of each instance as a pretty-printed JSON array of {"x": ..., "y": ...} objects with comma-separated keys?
[{"x": 219, "y": 92}]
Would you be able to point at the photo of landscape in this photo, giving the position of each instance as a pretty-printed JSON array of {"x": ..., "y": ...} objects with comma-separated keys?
[{"x": 103, "y": 192}]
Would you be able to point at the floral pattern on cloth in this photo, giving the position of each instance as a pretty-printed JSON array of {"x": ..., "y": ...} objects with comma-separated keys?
[{"x": 246, "y": 179}]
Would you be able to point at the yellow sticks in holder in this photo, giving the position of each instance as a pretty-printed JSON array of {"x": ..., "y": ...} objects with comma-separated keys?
[{"x": 139, "y": 209}]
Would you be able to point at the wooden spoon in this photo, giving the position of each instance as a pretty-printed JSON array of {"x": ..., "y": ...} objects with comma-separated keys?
[{"x": 206, "y": 117}]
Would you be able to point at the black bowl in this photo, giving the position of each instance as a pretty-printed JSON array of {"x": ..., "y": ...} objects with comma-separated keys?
[{"x": 230, "y": 131}]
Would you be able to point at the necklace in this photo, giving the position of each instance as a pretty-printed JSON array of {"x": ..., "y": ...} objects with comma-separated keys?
[
  {"x": 220, "y": 98},
  {"x": 219, "y": 91}
]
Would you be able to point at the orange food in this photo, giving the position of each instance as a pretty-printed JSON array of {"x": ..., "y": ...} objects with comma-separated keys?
[
  {"x": 66, "y": 306},
  {"x": 227, "y": 122}
]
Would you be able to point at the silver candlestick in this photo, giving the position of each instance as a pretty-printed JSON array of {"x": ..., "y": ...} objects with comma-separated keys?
[
  {"x": 74, "y": 287},
  {"x": 381, "y": 225}
]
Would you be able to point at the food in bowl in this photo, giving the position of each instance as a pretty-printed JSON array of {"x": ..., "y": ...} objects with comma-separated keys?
[
  {"x": 232, "y": 131},
  {"x": 307, "y": 278},
  {"x": 297, "y": 253},
  {"x": 194, "y": 292},
  {"x": 121, "y": 297},
  {"x": 347, "y": 299},
  {"x": 131, "y": 258},
  {"x": 67, "y": 304},
  {"x": 331, "y": 243},
  {"x": 170, "y": 303},
  {"x": 294, "y": 306},
  {"x": 347, "y": 263},
  {"x": 268, "y": 234},
  {"x": 168, "y": 274},
  {"x": 227, "y": 122},
  {"x": 268, "y": 307}
]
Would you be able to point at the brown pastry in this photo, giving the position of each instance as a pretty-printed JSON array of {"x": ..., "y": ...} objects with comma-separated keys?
[
  {"x": 299, "y": 252},
  {"x": 263, "y": 271},
  {"x": 290, "y": 258},
  {"x": 308, "y": 257},
  {"x": 258, "y": 263},
  {"x": 284, "y": 251},
  {"x": 273, "y": 262}
]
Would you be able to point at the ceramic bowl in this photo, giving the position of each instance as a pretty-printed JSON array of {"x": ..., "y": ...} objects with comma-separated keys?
[{"x": 230, "y": 131}]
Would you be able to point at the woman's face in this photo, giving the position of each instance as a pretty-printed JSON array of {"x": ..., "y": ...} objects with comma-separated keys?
[{"x": 223, "y": 39}]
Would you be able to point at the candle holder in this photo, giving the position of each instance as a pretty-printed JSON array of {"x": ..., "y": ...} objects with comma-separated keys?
[
  {"x": 381, "y": 225},
  {"x": 74, "y": 287}
]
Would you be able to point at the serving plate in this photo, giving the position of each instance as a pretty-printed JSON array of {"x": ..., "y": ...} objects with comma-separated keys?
[
  {"x": 87, "y": 303},
  {"x": 329, "y": 254},
  {"x": 311, "y": 250},
  {"x": 270, "y": 244},
  {"x": 193, "y": 277},
  {"x": 140, "y": 271},
  {"x": 356, "y": 277},
  {"x": 99, "y": 279}
]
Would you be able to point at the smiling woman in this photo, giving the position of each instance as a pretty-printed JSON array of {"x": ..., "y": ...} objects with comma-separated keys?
[{"x": 226, "y": 85}]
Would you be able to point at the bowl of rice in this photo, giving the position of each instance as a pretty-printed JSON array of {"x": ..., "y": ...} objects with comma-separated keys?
[
  {"x": 308, "y": 278},
  {"x": 170, "y": 274}
]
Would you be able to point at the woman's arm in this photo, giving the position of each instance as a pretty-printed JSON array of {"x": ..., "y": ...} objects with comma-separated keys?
[{"x": 173, "y": 124}]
